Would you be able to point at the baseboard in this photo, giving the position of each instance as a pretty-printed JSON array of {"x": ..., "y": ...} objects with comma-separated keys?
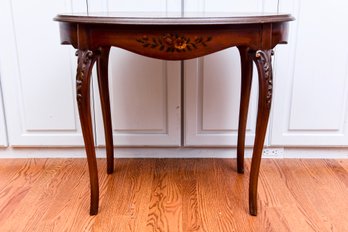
[{"x": 318, "y": 153}]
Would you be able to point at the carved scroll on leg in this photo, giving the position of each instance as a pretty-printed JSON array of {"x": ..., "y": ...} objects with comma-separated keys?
[
  {"x": 85, "y": 62},
  {"x": 246, "y": 79},
  {"x": 262, "y": 59}
]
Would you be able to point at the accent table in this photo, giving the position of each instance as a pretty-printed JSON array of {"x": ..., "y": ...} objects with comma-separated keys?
[{"x": 172, "y": 36}]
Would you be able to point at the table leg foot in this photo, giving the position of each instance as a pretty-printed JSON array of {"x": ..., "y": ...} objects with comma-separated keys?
[
  {"x": 94, "y": 208},
  {"x": 262, "y": 59},
  {"x": 103, "y": 84},
  {"x": 253, "y": 210},
  {"x": 246, "y": 79},
  {"x": 86, "y": 59}
]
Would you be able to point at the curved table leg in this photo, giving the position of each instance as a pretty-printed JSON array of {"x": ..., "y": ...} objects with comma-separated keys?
[
  {"x": 102, "y": 67},
  {"x": 262, "y": 59},
  {"x": 246, "y": 79},
  {"x": 86, "y": 59}
]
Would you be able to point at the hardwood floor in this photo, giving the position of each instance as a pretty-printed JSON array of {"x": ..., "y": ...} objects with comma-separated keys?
[{"x": 173, "y": 195}]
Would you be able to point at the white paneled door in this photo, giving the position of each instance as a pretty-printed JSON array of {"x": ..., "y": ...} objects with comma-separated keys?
[
  {"x": 3, "y": 135},
  {"x": 144, "y": 92},
  {"x": 38, "y": 80},
  {"x": 37, "y": 74},
  {"x": 311, "y": 77},
  {"x": 212, "y": 85}
]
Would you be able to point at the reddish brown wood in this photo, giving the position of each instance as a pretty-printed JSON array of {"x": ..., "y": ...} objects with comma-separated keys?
[
  {"x": 103, "y": 83},
  {"x": 175, "y": 38},
  {"x": 262, "y": 59},
  {"x": 246, "y": 79},
  {"x": 86, "y": 59}
]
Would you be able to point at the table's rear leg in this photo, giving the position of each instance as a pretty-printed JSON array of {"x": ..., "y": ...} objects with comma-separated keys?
[
  {"x": 102, "y": 67},
  {"x": 262, "y": 59},
  {"x": 246, "y": 79},
  {"x": 86, "y": 59}
]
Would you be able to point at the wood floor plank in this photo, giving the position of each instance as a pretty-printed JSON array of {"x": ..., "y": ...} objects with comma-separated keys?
[
  {"x": 81, "y": 207},
  {"x": 12, "y": 195},
  {"x": 216, "y": 203},
  {"x": 53, "y": 201},
  {"x": 325, "y": 198},
  {"x": 273, "y": 196},
  {"x": 297, "y": 206},
  {"x": 173, "y": 195},
  {"x": 298, "y": 181},
  {"x": 129, "y": 192},
  {"x": 232, "y": 189},
  {"x": 340, "y": 169},
  {"x": 207, "y": 196},
  {"x": 165, "y": 207},
  {"x": 191, "y": 220},
  {"x": 8, "y": 169}
]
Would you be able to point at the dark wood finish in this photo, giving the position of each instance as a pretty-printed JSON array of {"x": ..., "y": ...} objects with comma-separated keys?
[
  {"x": 86, "y": 59},
  {"x": 246, "y": 80},
  {"x": 103, "y": 83},
  {"x": 262, "y": 59},
  {"x": 175, "y": 38}
]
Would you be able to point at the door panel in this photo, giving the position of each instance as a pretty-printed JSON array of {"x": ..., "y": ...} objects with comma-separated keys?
[
  {"x": 212, "y": 83},
  {"x": 38, "y": 75},
  {"x": 311, "y": 87},
  {"x": 3, "y": 135},
  {"x": 144, "y": 92}
]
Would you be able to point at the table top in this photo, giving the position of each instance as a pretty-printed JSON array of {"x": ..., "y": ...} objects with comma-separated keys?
[
  {"x": 173, "y": 36},
  {"x": 173, "y": 18}
]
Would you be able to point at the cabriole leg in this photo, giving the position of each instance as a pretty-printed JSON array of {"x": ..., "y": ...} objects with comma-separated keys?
[
  {"x": 246, "y": 79},
  {"x": 103, "y": 83},
  {"x": 262, "y": 59},
  {"x": 86, "y": 59}
]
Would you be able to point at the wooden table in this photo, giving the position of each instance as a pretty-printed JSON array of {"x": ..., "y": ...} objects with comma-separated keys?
[{"x": 174, "y": 37}]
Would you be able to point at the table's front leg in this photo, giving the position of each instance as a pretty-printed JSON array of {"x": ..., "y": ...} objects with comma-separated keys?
[
  {"x": 262, "y": 59},
  {"x": 86, "y": 59},
  {"x": 246, "y": 79},
  {"x": 103, "y": 83}
]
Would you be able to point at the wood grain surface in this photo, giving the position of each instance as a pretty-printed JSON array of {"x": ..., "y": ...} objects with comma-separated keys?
[{"x": 173, "y": 195}]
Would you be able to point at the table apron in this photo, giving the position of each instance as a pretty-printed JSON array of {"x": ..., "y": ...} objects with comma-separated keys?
[{"x": 174, "y": 42}]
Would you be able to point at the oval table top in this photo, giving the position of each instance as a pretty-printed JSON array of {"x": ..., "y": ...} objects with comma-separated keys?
[{"x": 172, "y": 18}]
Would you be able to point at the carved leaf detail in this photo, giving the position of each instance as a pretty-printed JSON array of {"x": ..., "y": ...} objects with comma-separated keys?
[
  {"x": 265, "y": 60},
  {"x": 85, "y": 59}
]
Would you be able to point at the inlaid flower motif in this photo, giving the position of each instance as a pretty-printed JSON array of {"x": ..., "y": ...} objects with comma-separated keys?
[
  {"x": 168, "y": 40},
  {"x": 173, "y": 42},
  {"x": 180, "y": 43}
]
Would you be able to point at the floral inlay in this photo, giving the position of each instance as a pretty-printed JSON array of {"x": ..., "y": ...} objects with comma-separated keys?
[{"x": 173, "y": 42}]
